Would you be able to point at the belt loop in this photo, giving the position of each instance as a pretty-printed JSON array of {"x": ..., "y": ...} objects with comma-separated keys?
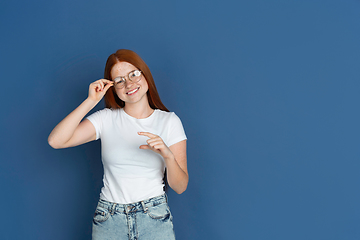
[
  {"x": 126, "y": 209},
  {"x": 143, "y": 205},
  {"x": 113, "y": 209}
]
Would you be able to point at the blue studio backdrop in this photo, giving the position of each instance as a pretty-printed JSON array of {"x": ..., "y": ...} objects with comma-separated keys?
[{"x": 268, "y": 93}]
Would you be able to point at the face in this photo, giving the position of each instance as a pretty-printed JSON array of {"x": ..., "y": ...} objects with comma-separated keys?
[{"x": 132, "y": 92}]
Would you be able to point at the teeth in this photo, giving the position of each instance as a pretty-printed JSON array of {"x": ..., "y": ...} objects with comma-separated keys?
[{"x": 132, "y": 91}]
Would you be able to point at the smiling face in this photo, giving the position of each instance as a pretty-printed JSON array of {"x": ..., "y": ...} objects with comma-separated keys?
[{"x": 131, "y": 93}]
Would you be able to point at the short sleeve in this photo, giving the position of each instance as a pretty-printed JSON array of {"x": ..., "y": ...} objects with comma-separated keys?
[
  {"x": 176, "y": 131},
  {"x": 97, "y": 120}
]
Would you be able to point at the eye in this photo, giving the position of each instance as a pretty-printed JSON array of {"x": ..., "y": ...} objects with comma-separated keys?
[
  {"x": 118, "y": 80},
  {"x": 135, "y": 73}
]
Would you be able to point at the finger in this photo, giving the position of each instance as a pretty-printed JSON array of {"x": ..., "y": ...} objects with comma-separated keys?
[
  {"x": 155, "y": 139},
  {"x": 98, "y": 86},
  {"x": 158, "y": 146},
  {"x": 145, "y": 147},
  {"x": 107, "y": 81},
  {"x": 94, "y": 86},
  {"x": 147, "y": 134},
  {"x": 153, "y": 143},
  {"x": 107, "y": 86},
  {"x": 101, "y": 84}
]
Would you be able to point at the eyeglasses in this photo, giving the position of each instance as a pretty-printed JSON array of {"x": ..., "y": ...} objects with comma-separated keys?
[{"x": 134, "y": 77}]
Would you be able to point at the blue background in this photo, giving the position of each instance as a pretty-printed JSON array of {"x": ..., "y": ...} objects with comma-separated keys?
[{"x": 268, "y": 92}]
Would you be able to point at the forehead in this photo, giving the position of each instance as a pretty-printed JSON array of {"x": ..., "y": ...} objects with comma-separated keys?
[{"x": 121, "y": 69}]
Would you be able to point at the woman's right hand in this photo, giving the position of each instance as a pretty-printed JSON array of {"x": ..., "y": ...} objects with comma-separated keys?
[
  {"x": 71, "y": 131},
  {"x": 98, "y": 89}
]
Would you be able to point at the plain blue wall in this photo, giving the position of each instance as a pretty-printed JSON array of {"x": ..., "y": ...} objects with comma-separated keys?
[{"x": 268, "y": 92}]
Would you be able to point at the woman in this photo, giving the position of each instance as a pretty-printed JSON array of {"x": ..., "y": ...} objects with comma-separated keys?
[{"x": 139, "y": 138}]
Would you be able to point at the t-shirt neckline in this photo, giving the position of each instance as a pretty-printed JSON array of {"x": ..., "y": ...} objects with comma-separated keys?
[{"x": 139, "y": 119}]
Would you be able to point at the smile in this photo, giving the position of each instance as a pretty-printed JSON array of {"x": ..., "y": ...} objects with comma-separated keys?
[{"x": 133, "y": 91}]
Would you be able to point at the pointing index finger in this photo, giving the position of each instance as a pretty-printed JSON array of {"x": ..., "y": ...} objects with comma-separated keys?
[{"x": 147, "y": 134}]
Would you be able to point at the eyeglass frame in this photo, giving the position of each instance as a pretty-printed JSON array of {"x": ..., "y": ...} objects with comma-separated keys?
[{"x": 125, "y": 81}]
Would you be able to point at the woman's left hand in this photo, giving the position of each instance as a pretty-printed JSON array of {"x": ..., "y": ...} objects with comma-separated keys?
[{"x": 156, "y": 144}]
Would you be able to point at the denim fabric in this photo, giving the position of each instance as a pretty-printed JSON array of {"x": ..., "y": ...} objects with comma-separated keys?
[{"x": 146, "y": 220}]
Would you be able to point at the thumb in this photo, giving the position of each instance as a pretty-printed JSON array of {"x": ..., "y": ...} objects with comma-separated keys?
[
  {"x": 144, "y": 147},
  {"x": 107, "y": 86}
]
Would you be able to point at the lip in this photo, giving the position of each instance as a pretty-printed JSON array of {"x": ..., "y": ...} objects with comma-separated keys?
[{"x": 133, "y": 91}]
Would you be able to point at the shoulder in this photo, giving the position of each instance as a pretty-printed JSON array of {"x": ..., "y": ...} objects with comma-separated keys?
[
  {"x": 168, "y": 116},
  {"x": 109, "y": 111},
  {"x": 104, "y": 113},
  {"x": 174, "y": 130},
  {"x": 165, "y": 114}
]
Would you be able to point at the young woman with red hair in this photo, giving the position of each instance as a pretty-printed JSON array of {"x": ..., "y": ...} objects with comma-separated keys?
[{"x": 139, "y": 139}]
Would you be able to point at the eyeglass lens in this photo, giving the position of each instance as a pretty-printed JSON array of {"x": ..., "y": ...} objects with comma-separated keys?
[{"x": 134, "y": 76}]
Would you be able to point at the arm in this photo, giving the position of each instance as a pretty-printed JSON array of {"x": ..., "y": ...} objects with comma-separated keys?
[
  {"x": 71, "y": 131},
  {"x": 175, "y": 160},
  {"x": 177, "y": 174}
]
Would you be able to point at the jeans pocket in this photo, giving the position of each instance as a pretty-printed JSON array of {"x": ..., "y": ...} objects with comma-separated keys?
[
  {"x": 101, "y": 215},
  {"x": 160, "y": 211}
]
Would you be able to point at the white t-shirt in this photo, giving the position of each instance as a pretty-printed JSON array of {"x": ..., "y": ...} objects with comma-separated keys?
[{"x": 132, "y": 174}]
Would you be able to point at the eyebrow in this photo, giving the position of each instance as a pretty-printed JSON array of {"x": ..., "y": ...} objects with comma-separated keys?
[{"x": 125, "y": 75}]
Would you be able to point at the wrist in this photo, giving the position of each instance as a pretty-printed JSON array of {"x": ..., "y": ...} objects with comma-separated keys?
[
  {"x": 92, "y": 102},
  {"x": 170, "y": 157}
]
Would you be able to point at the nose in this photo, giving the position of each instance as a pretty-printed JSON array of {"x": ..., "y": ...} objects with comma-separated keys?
[{"x": 128, "y": 83}]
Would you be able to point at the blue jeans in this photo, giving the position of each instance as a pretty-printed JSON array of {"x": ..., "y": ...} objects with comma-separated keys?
[{"x": 149, "y": 219}]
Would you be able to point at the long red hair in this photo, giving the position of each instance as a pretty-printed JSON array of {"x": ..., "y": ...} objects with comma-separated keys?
[{"x": 125, "y": 55}]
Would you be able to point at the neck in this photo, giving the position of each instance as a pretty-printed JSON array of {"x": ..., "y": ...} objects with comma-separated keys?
[{"x": 138, "y": 111}]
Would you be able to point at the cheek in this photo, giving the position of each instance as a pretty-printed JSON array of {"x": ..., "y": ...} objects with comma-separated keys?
[
  {"x": 146, "y": 86},
  {"x": 120, "y": 94}
]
